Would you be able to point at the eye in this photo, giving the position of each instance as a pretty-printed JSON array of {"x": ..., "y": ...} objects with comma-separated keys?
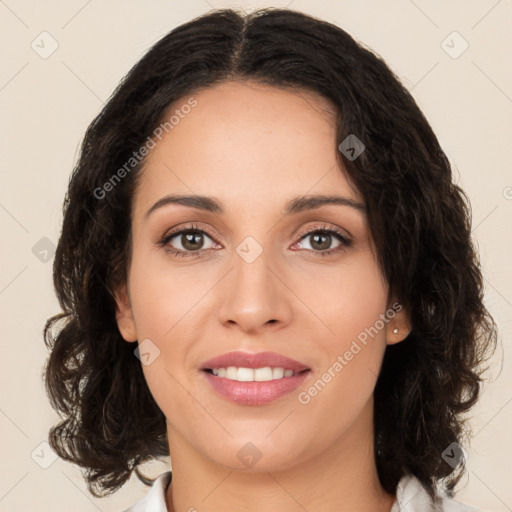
[
  {"x": 186, "y": 242},
  {"x": 321, "y": 240}
]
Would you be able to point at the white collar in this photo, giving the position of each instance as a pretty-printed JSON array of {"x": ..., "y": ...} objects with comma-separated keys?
[
  {"x": 154, "y": 501},
  {"x": 411, "y": 496}
]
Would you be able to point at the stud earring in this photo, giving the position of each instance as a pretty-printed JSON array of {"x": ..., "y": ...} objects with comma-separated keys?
[{"x": 395, "y": 330}]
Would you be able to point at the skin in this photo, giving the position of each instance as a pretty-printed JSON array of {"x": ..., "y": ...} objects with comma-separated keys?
[{"x": 253, "y": 147}]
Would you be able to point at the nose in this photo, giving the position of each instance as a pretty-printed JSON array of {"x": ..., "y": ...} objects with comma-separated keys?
[{"x": 255, "y": 297}]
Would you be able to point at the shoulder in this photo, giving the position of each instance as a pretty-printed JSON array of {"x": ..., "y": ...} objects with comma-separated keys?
[
  {"x": 411, "y": 496},
  {"x": 154, "y": 500}
]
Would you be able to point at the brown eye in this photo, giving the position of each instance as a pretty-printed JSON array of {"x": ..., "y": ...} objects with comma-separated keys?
[
  {"x": 321, "y": 241},
  {"x": 190, "y": 241}
]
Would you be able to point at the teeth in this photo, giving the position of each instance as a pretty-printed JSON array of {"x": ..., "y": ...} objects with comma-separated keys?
[
  {"x": 231, "y": 373},
  {"x": 252, "y": 374},
  {"x": 278, "y": 373}
]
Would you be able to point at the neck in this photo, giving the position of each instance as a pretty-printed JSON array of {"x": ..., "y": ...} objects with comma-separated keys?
[{"x": 342, "y": 478}]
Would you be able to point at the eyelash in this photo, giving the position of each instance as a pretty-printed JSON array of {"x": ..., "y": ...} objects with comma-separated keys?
[{"x": 193, "y": 228}]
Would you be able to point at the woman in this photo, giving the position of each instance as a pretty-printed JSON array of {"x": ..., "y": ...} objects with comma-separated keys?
[{"x": 266, "y": 271}]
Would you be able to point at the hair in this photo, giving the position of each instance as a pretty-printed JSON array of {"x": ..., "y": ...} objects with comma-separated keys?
[{"x": 420, "y": 221}]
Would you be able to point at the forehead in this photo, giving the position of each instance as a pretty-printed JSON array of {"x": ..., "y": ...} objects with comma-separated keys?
[{"x": 248, "y": 142}]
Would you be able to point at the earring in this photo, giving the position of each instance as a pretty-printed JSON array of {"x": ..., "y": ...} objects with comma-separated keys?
[{"x": 395, "y": 330}]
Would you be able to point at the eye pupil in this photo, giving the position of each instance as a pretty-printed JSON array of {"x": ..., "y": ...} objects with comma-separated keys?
[
  {"x": 191, "y": 240},
  {"x": 315, "y": 239}
]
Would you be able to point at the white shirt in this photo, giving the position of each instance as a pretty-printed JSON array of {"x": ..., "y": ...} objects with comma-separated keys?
[{"x": 411, "y": 496}]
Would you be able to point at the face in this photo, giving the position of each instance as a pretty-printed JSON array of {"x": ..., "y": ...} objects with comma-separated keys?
[{"x": 259, "y": 273}]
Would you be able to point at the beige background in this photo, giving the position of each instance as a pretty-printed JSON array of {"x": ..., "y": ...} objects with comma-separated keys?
[{"x": 47, "y": 104}]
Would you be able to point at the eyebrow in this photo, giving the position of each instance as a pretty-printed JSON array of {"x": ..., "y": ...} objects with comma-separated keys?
[{"x": 294, "y": 206}]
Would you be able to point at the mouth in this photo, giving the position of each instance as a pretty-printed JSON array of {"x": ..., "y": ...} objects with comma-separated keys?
[
  {"x": 263, "y": 374},
  {"x": 254, "y": 379}
]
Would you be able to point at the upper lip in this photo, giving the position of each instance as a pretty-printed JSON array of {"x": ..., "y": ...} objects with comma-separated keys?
[{"x": 252, "y": 360}]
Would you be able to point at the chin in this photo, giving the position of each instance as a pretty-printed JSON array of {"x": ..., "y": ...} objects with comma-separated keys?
[{"x": 257, "y": 456}]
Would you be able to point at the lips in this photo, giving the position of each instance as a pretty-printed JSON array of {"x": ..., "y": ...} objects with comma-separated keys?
[{"x": 254, "y": 360}]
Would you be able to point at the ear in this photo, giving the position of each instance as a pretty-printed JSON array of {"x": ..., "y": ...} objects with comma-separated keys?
[
  {"x": 124, "y": 315},
  {"x": 398, "y": 326}
]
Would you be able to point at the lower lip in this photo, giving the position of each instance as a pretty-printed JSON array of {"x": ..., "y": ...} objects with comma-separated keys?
[{"x": 255, "y": 393}]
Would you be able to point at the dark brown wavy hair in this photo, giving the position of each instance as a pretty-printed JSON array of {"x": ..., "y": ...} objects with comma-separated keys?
[{"x": 419, "y": 218}]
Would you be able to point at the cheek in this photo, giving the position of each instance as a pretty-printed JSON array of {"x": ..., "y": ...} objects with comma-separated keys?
[
  {"x": 346, "y": 379},
  {"x": 352, "y": 299},
  {"x": 162, "y": 296},
  {"x": 165, "y": 302},
  {"x": 353, "y": 307}
]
